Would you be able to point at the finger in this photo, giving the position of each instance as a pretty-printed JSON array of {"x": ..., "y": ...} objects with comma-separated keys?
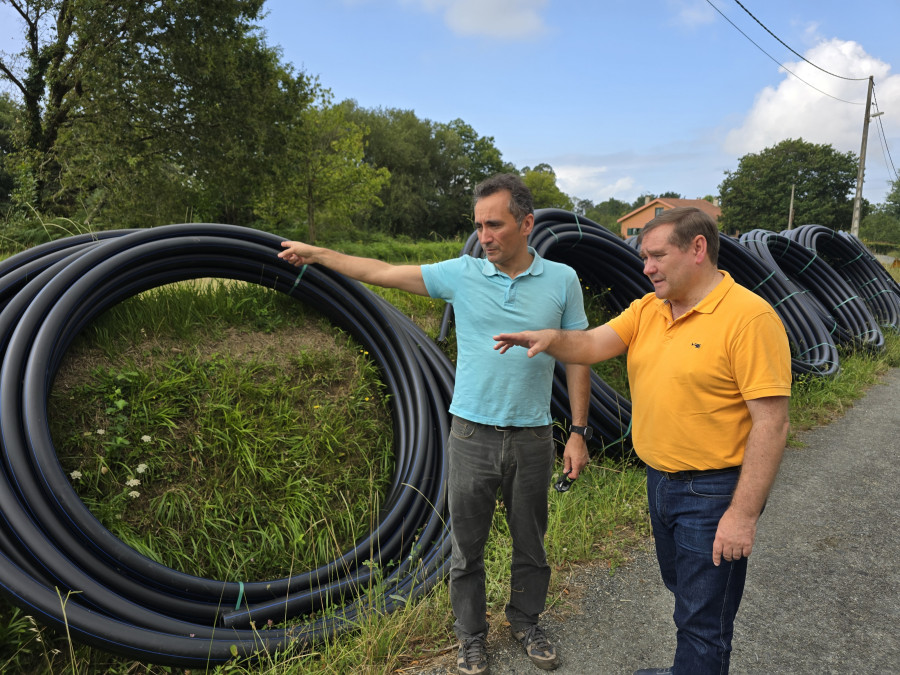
[{"x": 717, "y": 553}]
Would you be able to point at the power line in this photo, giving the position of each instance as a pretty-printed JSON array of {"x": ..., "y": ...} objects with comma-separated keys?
[
  {"x": 855, "y": 79},
  {"x": 781, "y": 65},
  {"x": 889, "y": 161}
]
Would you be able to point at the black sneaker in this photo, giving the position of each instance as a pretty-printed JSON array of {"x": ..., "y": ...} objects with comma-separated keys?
[
  {"x": 538, "y": 647},
  {"x": 472, "y": 656}
]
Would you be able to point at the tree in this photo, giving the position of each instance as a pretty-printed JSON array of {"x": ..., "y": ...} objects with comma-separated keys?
[
  {"x": 143, "y": 113},
  {"x": 541, "y": 180},
  {"x": 8, "y": 114},
  {"x": 605, "y": 213},
  {"x": 758, "y": 193},
  {"x": 882, "y": 226},
  {"x": 324, "y": 171},
  {"x": 433, "y": 168}
]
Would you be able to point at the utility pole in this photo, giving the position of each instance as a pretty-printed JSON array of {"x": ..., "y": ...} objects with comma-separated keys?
[
  {"x": 791, "y": 209},
  {"x": 857, "y": 203}
]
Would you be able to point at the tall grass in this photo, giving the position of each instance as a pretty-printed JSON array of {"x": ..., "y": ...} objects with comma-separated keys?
[{"x": 208, "y": 425}]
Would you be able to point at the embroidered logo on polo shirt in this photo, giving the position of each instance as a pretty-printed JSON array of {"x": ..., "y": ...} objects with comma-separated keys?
[{"x": 695, "y": 345}]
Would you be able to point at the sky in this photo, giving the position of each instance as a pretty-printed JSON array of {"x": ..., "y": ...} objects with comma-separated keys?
[{"x": 620, "y": 97}]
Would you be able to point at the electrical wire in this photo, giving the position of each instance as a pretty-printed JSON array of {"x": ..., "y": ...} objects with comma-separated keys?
[
  {"x": 780, "y": 65},
  {"x": 855, "y": 79},
  {"x": 53, "y": 549}
]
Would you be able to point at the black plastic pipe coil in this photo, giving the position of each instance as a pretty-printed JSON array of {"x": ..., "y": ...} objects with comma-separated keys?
[
  {"x": 123, "y": 602},
  {"x": 845, "y": 314},
  {"x": 846, "y": 254},
  {"x": 607, "y": 268}
]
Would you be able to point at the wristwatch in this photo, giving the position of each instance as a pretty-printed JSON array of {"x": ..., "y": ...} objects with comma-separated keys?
[{"x": 587, "y": 432}]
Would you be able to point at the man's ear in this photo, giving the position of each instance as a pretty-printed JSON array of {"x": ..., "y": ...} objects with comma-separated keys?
[
  {"x": 527, "y": 224},
  {"x": 699, "y": 248}
]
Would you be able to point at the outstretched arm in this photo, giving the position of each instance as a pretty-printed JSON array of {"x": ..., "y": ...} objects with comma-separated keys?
[
  {"x": 568, "y": 346},
  {"x": 368, "y": 270}
]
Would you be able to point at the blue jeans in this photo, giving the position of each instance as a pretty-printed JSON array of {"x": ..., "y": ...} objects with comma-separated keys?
[
  {"x": 685, "y": 513},
  {"x": 482, "y": 460}
]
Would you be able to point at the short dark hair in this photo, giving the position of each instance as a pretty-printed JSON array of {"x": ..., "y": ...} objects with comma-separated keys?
[
  {"x": 689, "y": 221},
  {"x": 521, "y": 203}
]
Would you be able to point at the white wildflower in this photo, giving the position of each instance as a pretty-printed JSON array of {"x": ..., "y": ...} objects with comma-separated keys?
[
  {"x": 100, "y": 432},
  {"x": 145, "y": 438},
  {"x": 132, "y": 482},
  {"x": 141, "y": 468},
  {"x": 76, "y": 475},
  {"x": 134, "y": 494}
]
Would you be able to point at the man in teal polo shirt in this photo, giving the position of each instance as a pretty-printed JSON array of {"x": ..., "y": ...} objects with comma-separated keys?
[{"x": 501, "y": 432}]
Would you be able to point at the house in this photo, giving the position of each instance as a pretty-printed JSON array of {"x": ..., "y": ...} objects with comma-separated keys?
[{"x": 631, "y": 223}]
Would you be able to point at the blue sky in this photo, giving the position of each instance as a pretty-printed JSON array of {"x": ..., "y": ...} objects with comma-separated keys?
[{"x": 620, "y": 97}]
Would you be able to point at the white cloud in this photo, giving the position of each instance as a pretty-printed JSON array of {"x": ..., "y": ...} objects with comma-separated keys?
[
  {"x": 692, "y": 13},
  {"x": 504, "y": 19},
  {"x": 796, "y": 110},
  {"x": 592, "y": 182}
]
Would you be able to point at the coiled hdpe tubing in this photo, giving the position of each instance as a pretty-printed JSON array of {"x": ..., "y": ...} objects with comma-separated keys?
[
  {"x": 605, "y": 266},
  {"x": 123, "y": 602},
  {"x": 843, "y": 312},
  {"x": 815, "y": 351},
  {"x": 853, "y": 261}
]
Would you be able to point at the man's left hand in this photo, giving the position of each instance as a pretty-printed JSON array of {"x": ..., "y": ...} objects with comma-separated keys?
[
  {"x": 576, "y": 456},
  {"x": 734, "y": 537}
]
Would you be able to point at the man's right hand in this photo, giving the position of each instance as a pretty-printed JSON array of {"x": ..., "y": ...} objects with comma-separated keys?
[
  {"x": 535, "y": 341},
  {"x": 297, "y": 253}
]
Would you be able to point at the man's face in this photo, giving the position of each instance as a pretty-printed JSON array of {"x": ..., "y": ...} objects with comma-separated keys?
[
  {"x": 502, "y": 239},
  {"x": 671, "y": 270}
]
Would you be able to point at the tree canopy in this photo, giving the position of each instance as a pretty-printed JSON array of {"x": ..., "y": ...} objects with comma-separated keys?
[{"x": 758, "y": 193}]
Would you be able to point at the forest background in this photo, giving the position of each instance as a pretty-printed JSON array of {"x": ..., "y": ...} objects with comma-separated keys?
[{"x": 127, "y": 114}]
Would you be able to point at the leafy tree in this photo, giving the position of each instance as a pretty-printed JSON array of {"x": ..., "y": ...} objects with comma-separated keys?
[
  {"x": 605, "y": 213},
  {"x": 541, "y": 180},
  {"x": 148, "y": 112},
  {"x": 324, "y": 170},
  {"x": 883, "y": 224},
  {"x": 757, "y": 194},
  {"x": 433, "y": 168},
  {"x": 8, "y": 113}
]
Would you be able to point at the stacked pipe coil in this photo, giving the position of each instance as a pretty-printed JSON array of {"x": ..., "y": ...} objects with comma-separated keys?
[
  {"x": 613, "y": 271},
  {"x": 848, "y": 318},
  {"x": 123, "y": 602},
  {"x": 853, "y": 261}
]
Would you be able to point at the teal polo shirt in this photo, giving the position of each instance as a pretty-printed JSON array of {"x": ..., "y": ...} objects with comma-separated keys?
[{"x": 504, "y": 389}]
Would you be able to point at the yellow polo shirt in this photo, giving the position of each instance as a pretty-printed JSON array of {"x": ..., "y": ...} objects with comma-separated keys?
[{"x": 689, "y": 378}]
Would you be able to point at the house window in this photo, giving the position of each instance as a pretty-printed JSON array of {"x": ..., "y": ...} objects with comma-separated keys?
[
  {"x": 657, "y": 211},
  {"x": 631, "y": 231}
]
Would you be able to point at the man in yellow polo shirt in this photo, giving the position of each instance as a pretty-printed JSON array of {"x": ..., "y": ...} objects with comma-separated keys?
[{"x": 710, "y": 375}]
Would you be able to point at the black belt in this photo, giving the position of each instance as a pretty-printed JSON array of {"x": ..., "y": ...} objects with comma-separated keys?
[
  {"x": 509, "y": 428},
  {"x": 688, "y": 475}
]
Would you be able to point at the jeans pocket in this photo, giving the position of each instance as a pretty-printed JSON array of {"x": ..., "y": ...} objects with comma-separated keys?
[
  {"x": 461, "y": 428},
  {"x": 542, "y": 433},
  {"x": 715, "y": 486}
]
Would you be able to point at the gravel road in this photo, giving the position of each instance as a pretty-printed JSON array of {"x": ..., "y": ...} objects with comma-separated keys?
[{"x": 823, "y": 587}]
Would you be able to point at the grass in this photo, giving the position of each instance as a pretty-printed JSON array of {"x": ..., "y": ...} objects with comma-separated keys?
[{"x": 203, "y": 413}]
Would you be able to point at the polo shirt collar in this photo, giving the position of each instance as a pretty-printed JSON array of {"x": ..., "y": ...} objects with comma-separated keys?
[
  {"x": 708, "y": 304},
  {"x": 536, "y": 267}
]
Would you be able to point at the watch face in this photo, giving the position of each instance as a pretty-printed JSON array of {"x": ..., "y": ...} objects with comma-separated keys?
[{"x": 587, "y": 432}]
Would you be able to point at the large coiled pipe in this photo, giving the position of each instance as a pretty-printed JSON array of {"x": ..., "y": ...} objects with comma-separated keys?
[
  {"x": 847, "y": 255},
  {"x": 844, "y": 312},
  {"x": 123, "y": 602}
]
